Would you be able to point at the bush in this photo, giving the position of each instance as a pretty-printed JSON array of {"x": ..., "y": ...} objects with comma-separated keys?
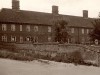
[{"x": 76, "y": 58}]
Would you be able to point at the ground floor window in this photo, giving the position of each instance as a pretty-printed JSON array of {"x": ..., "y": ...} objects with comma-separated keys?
[
  {"x": 83, "y": 40},
  {"x": 13, "y": 38},
  {"x": 21, "y": 39},
  {"x": 4, "y": 38},
  {"x": 35, "y": 39},
  {"x": 28, "y": 38},
  {"x": 72, "y": 40},
  {"x": 49, "y": 38}
]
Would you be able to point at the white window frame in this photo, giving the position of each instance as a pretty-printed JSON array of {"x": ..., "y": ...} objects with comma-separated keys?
[
  {"x": 21, "y": 27},
  {"x": 13, "y": 27},
  {"x": 49, "y": 28},
  {"x": 4, "y": 27},
  {"x": 87, "y": 31},
  {"x": 13, "y": 38},
  {"x": 21, "y": 39},
  {"x": 83, "y": 30},
  {"x": 4, "y": 38},
  {"x": 72, "y": 30},
  {"x": 36, "y": 28},
  {"x": 28, "y": 28}
]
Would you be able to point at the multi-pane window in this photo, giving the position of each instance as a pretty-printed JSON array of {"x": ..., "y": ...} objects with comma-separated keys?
[
  {"x": 35, "y": 28},
  {"x": 4, "y": 38},
  {"x": 83, "y": 31},
  {"x": 20, "y": 27},
  {"x": 13, "y": 27},
  {"x": 13, "y": 38},
  {"x": 49, "y": 29},
  {"x": 28, "y": 28},
  {"x": 72, "y": 30},
  {"x": 21, "y": 39},
  {"x": 49, "y": 38},
  {"x": 4, "y": 27}
]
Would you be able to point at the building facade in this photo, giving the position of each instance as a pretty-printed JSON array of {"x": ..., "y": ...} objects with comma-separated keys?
[{"x": 22, "y": 26}]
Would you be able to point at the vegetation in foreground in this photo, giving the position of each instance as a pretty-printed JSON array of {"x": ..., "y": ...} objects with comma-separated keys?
[{"x": 29, "y": 55}]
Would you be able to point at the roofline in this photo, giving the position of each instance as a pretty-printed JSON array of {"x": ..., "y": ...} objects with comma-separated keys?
[
  {"x": 48, "y": 13},
  {"x": 24, "y": 23}
]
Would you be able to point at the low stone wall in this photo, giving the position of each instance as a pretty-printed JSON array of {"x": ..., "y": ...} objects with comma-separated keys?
[{"x": 89, "y": 53}]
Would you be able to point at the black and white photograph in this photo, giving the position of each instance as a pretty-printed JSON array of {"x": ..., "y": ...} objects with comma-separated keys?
[{"x": 49, "y": 37}]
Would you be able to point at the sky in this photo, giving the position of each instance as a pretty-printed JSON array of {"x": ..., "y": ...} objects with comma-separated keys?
[{"x": 67, "y": 7}]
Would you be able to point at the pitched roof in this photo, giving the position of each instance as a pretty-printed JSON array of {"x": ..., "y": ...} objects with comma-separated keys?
[{"x": 33, "y": 17}]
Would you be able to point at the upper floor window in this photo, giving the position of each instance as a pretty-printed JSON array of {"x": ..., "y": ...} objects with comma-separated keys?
[
  {"x": 13, "y": 27},
  {"x": 13, "y": 38},
  {"x": 28, "y": 28},
  {"x": 82, "y": 31},
  {"x": 72, "y": 30},
  {"x": 20, "y": 27},
  {"x": 4, "y": 38},
  {"x": 87, "y": 31},
  {"x": 49, "y": 29},
  {"x": 4, "y": 27},
  {"x": 35, "y": 28}
]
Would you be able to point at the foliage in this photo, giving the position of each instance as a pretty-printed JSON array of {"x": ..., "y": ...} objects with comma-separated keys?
[
  {"x": 95, "y": 34},
  {"x": 61, "y": 31}
]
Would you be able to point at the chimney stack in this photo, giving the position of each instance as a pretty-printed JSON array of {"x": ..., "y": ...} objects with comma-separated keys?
[
  {"x": 55, "y": 10},
  {"x": 85, "y": 13},
  {"x": 15, "y": 4}
]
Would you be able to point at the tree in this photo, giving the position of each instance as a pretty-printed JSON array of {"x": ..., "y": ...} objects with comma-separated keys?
[
  {"x": 61, "y": 31},
  {"x": 95, "y": 34}
]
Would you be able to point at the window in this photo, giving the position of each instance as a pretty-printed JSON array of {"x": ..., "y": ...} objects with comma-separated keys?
[
  {"x": 20, "y": 27},
  {"x": 83, "y": 40},
  {"x": 12, "y": 27},
  {"x": 21, "y": 39},
  {"x": 28, "y": 38},
  {"x": 35, "y": 28},
  {"x": 28, "y": 28},
  {"x": 82, "y": 31},
  {"x": 13, "y": 38},
  {"x": 4, "y": 38},
  {"x": 72, "y": 30},
  {"x": 35, "y": 39},
  {"x": 49, "y": 29},
  {"x": 87, "y": 31},
  {"x": 4, "y": 27},
  {"x": 49, "y": 38}
]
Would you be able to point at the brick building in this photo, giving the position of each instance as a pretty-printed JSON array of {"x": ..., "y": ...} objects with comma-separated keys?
[{"x": 22, "y": 26}]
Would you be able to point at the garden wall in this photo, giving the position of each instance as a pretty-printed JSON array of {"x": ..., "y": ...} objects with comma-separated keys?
[{"x": 89, "y": 53}]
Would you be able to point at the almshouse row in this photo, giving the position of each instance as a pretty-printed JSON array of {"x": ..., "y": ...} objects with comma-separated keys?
[
  {"x": 38, "y": 33},
  {"x": 21, "y": 33}
]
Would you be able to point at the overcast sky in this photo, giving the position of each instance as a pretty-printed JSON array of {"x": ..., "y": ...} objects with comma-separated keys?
[{"x": 68, "y": 7}]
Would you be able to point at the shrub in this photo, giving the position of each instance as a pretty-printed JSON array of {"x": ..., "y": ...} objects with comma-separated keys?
[{"x": 76, "y": 58}]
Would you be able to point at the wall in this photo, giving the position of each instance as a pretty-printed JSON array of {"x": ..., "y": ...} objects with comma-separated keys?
[{"x": 90, "y": 53}]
